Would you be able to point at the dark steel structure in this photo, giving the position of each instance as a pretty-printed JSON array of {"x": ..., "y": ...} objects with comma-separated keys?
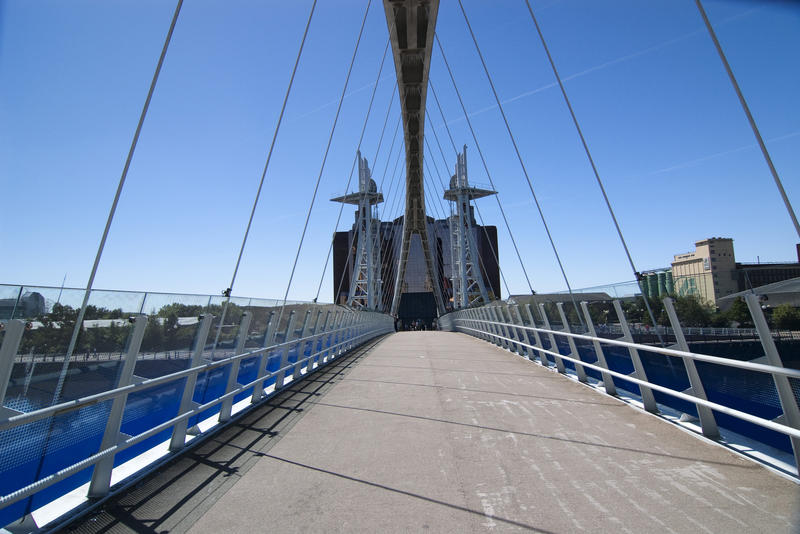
[{"x": 411, "y": 28}]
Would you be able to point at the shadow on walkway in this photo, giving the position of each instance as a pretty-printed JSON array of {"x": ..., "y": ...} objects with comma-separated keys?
[{"x": 172, "y": 498}]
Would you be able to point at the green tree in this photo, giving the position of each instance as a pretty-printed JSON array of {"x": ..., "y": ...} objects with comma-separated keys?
[
  {"x": 740, "y": 314},
  {"x": 786, "y": 317},
  {"x": 692, "y": 312}
]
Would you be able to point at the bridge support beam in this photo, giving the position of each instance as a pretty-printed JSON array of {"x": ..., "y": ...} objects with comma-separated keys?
[{"x": 411, "y": 27}]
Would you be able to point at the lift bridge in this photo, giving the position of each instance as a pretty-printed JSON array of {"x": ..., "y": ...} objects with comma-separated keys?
[{"x": 224, "y": 413}]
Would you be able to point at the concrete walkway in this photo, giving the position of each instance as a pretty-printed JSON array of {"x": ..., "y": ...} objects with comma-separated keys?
[{"x": 441, "y": 432}]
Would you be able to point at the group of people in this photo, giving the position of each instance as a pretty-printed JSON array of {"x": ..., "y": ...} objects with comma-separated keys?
[{"x": 415, "y": 325}]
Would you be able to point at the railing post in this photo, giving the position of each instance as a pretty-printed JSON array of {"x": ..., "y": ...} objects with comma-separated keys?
[
  {"x": 648, "y": 399},
  {"x": 301, "y": 347},
  {"x": 505, "y": 313},
  {"x": 333, "y": 336},
  {"x": 786, "y": 396},
  {"x": 708, "y": 422},
  {"x": 486, "y": 328},
  {"x": 486, "y": 316},
  {"x": 495, "y": 317},
  {"x": 313, "y": 342},
  {"x": 323, "y": 336},
  {"x": 284, "y": 351},
  {"x": 471, "y": 319},
  {"x": 573, "y": 350},
  {"x": 523, "y": 335},
  {"x": 608, "y": 381},
  {"x": 538, "y": 343},
  {"x": 179, "y": 430},
  {"x": 553, "y": 345},
  {"x": 482, "y": 315},
  {"x": 233, "y": 375},
  {"x": 15, "y": 328},
  {"x": 101, "y": 475},
  {"x": 263, "y": 362},
  {"x": 348, "y": 333}
]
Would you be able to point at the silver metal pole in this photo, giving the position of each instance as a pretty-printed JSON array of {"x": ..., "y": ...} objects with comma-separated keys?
[
  {"x": 101, "y": 476},
  {"x": 178, "y": 439},
  {"x": 707, "y": 421},
  {"x": 233, "y": 375}
]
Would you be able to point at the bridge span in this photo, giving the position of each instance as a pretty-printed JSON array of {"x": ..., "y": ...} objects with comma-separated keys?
[{"x": 443, "y": 432}]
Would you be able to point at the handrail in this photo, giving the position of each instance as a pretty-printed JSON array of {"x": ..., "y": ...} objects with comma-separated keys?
[
  {"x": 760, "y": 367},
  {"x": 766, "y": 423},
  {"x": 35, "y": 487},
  {"x": 65, "y": 407}
]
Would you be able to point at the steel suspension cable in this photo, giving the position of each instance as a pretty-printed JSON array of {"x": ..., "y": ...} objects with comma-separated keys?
[
  {"x": 350, "y": 242},
  {"x": 355, "y": 161},
  {"x": 750, "y": 118},
  {"x": 391, "y": 267},
  {"x": 455, "y": 151},
  {"x": 433, "y": 188},
  {"x": 79, "y": 320},
  {"x": 322, "y": 166},
  {"x": 522, "y": 163},
  {"x": 444, "y": 121},
  {"x": 491, "y": 247},
  {"x": 392, "y": 180},
  {"x": 263, "y": 176},
  {"x": 358, "y": 220},
  {"x": 383, "y": 131},
  {"x": 485, "y": 166},
  {"x": 594, "y": 167},
  {"x": 436, "y": 137},
  {"x": 475, "y": 205}
]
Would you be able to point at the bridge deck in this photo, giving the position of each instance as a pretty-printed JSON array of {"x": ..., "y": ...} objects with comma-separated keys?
[{"x": 443, "y": 432}]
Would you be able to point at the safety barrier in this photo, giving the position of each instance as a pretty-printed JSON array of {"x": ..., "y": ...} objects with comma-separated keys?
[{"x": 50, "y": 451}]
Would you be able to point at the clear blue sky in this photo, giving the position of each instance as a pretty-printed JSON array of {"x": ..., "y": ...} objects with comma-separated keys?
[{"x": 669, "y": 138}]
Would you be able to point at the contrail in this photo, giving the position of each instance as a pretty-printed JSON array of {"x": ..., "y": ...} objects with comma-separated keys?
[
  {"x": 693, "y": 162},
  {"x": 606, "y": 64},
  {"x": 348, "y": 95}
]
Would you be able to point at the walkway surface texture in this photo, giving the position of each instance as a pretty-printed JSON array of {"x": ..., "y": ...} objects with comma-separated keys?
[{"x": 446, "y": 433}]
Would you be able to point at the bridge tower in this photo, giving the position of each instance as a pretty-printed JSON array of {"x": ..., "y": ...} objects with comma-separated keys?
[
  {"x": 365, "y": 282},
  {"x": 468, "y": 284}
]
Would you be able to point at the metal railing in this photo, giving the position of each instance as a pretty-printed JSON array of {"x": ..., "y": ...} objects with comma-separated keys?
[
  {"x": 503, "y": 325},
  {"x": 302, "y": 350}
]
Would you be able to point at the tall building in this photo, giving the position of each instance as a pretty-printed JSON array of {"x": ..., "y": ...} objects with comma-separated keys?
[{"x": 709, "y": 272}]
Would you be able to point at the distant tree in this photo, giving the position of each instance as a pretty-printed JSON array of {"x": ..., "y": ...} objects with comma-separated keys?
[
  {"x": 786, "y": 317},
  {"x": 740, "y": 314},
  {"x": 692, "y": 312},
  {"x": 719, "y": 319}
]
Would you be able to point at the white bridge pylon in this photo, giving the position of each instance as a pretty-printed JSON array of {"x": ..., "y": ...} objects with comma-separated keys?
[
  {"x": 469, "y": 287},
  {"x": 365, "y": 282}
]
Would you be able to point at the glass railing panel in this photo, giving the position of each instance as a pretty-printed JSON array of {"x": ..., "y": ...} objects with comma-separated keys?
[
  {"x": 748, "y": 391},
  {"x": 172, "y": 325},
  {"x": 619, "y": 360},
  {"x": 668, "y": 371},
  {"x": 248, "y": 371},
  {"x": 147, "y": 409},
  {"x": 21, "y": 452},
  {"x": 9, "y": 301},
  {"x": 71, "y": 438},
  {"x": 210, "y": 386}
]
